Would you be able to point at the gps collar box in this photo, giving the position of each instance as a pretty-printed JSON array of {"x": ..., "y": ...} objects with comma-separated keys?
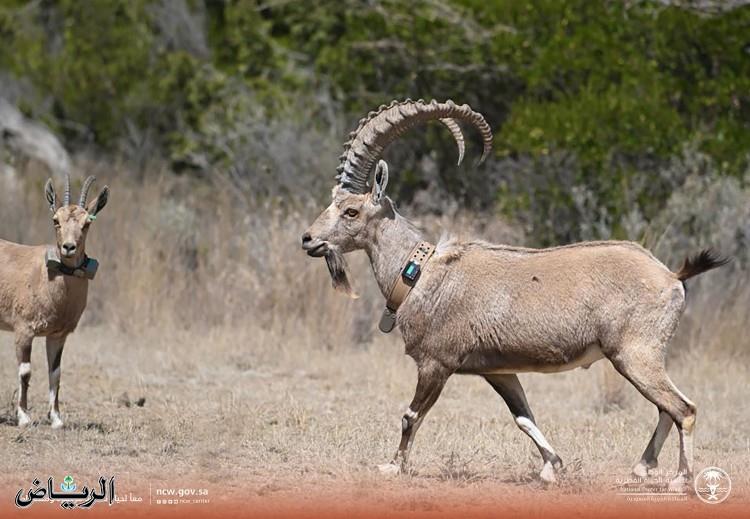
[{"x": 404, "y": 283}]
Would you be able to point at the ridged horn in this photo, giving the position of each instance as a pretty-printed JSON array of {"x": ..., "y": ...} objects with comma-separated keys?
[
  {"x": 367, "y": 143},
  {"x": 455, "y": 130},
  {"x": 85, "y": 190},
  {"x": 66, "y": 194}
]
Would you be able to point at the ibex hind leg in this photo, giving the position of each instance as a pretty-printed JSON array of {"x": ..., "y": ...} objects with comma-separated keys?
[
  {"x": 643, "y": 365},
  {"x": 649, "y": 458},
  {"x": 510, "y": 389}
]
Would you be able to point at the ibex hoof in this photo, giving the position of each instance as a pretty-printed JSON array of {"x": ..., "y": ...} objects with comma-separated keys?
[
  {"x": 390, "y": 469},
  {"x": 679, "y": 484},
  {"x": 57, "y": 423},
  {"x": 23, "y": 418},
  {"x": 547, "y": 475},
  {"x": 642, "y": 469}
]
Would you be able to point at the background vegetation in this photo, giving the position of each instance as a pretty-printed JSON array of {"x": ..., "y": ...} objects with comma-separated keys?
[
  {"x": 591, "y": 101},
  {"x": 218, "y": 125}
]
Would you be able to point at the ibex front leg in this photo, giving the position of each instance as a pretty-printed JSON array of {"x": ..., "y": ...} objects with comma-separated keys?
[
  {"x": 430, "y": 382},
  {"x": 23, "y": 356},
  {"x": 54, "y": 356}
]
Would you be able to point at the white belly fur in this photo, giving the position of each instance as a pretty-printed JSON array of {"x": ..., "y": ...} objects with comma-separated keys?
[{"x": 590, "y": 355}]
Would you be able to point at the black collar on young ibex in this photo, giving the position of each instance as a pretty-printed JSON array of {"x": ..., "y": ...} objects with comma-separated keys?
[{"x": 87, "y": 269}]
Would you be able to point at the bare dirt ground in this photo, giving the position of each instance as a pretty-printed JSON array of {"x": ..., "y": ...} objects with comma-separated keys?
[{"x": 258, "y": 414}]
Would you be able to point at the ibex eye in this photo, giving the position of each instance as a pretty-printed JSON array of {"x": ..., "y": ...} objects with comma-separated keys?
[{"x": 351, "y": 213}]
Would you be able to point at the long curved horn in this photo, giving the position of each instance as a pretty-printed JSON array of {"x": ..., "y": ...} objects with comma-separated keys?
[
  {"x": 457, "y": 134},
  {"x": 455, "y": 130},
  {"x": 85, "y": 190},
  {"x": 66, "y": 194},
  {"x": 374, "y": 132}
]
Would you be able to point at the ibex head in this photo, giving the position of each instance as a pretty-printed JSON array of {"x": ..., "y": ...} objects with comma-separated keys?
[
  {"x": 72, "y": 221},
  {"x": 358, "y": 205}
]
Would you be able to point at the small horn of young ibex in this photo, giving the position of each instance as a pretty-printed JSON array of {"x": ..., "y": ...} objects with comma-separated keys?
[
  {"x": 39, "y": 300},
  {"x": 496, "y": 310}
]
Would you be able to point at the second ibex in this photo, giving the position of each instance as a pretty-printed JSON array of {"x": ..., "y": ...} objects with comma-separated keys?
[{"x": 43, "y": 290}]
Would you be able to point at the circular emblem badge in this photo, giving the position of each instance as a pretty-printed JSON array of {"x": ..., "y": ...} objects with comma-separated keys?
[{"x": 712, "y": 485}]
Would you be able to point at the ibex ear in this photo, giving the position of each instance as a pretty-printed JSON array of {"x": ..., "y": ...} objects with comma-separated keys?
[
  {"x": 49, "y": 192},
  {"x": 98, "y": 203},
  {"x": 380, "y": 181}
]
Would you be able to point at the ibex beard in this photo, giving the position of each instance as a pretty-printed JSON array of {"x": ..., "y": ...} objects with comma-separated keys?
[{"x": 336, "y": 264}]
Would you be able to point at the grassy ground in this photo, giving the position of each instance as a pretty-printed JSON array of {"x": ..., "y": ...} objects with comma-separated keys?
[
  {"x": 255, "y": 377},
  {"x": 279, "y": 416}
]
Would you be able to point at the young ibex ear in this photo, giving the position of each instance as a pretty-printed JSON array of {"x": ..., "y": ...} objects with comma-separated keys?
[
  {"x": 49, "y": 192},
  {"x": 381, "y": 180},
  {"x": 98, "y": 203}
]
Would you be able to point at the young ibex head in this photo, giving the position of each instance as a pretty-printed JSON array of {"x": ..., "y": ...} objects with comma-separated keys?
[
  {"x": 72, "y": 221},
  {"x": 348, "y": 223}
]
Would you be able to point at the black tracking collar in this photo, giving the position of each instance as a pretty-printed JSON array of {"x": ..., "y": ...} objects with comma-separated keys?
[{"x": 86, "y": 270}]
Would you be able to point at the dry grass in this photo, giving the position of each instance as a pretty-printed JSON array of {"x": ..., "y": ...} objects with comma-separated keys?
[
  {"x": 254, "y": 371},
  {"x": 278, "y": 415}
]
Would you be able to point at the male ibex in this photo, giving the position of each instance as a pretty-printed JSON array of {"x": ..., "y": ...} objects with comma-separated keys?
[
  {"x": 497, "y": 310},
  {"x": 43, "y": 290}
]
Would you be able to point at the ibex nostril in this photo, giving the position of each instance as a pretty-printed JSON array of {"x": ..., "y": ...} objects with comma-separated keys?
[
  {"x": 68, "y": 247},
  {"x": 306, "y": 238}
]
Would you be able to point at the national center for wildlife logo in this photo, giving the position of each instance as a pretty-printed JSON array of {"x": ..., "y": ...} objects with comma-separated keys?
[
  {"x": 712, "y": 485},
  {"x": 68, "y": 484}
]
